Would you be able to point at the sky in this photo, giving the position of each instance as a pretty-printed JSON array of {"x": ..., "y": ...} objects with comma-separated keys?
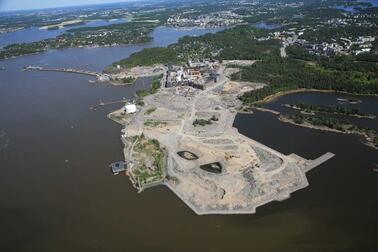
[{"x": 10, "y": 5}]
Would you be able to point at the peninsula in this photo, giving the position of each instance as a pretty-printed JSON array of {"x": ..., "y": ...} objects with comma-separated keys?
[{"x": 182, "y": 136}]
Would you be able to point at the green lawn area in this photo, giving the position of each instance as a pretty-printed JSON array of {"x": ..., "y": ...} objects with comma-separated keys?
[{"x": 152, "y": 168}]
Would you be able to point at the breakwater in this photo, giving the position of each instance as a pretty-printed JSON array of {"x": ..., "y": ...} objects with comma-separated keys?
[{"x": 100, "y": 76}]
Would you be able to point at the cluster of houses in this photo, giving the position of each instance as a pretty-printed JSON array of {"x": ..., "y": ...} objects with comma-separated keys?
[
  {"x": 345, "y": 46},
  {"x": 217, "y": 19},
  {"x": 196, "y": 74}
]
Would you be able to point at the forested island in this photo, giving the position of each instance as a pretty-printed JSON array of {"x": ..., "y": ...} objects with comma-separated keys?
[
  {"x": 109, "y": 35},
  {"x": 370, "y": 136},
  {"x": 335, "y": 110},
  {"x": 57, "y": 18}
]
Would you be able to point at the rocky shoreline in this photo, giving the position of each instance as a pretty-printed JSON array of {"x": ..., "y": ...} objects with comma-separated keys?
[
  {"x": 313, "y": 112},
  {"x": 366, "y": 138}
]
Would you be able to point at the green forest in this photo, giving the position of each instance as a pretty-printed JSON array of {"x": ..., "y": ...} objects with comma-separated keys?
[
  {"x": 370, "y": 135},
  {"x": 283, "y": 74},
  {"x": 235, "y": 43},
  {"x": 337, "y": 110}
]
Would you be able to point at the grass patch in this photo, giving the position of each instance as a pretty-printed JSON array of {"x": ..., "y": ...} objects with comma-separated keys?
[
  {"x": 204, "y": 122},
  {"x": 150, "y": 111},
  {"x": 201, "y": 122},
  {"x": 153, "y": 123},
  {"x": 151, "y": 159}
]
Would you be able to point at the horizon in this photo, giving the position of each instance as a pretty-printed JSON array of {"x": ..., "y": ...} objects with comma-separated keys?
[{"x": 25, "y": 5}]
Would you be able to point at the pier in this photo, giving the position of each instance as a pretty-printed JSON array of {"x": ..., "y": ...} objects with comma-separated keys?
[
  {"x": 274, "y": 112},
  {"x": 319, "y": 161},
  {"x": 118, "y": 167},
  {"x": 101, "y": 103},
  {"x": 100, "y": 76}
]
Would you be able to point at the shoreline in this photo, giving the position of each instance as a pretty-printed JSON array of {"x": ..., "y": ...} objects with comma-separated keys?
[
  {"x": 313, "y": 112},
  {"x": 252, "y": 208},
  {"x": 75, "y": 47},
  {"x": 299, "y": 90},
  {"x": 366, "y": 138},
  {"x": 220, "y": 142}
]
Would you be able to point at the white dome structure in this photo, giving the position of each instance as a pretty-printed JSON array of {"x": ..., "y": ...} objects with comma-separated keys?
[{"x": 130, "y": 108}]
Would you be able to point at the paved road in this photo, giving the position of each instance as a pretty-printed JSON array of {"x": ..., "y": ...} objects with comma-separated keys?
[{"x": 283, "y": 50}]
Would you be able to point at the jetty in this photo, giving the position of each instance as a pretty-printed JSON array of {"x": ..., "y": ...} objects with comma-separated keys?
[
  {"x": 101, "y": 103},
  {"x": 316, "y": 162},
  {"x": 100, "y": 76},
  {"x": 274, "y": 112}
]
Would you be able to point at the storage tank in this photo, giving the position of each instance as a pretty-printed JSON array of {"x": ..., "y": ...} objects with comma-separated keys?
[{"x": 130, "y": 108}]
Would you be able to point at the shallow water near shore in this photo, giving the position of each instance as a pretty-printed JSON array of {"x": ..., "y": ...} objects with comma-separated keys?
[{"x": 58, "y": 194}]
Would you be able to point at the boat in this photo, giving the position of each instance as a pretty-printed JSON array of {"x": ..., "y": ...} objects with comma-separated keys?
[
  {"x": 354, "y": 101},
  {"x": 349, "y": 100}
]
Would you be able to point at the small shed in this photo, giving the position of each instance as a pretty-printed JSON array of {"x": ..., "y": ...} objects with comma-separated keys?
[{"x": 118, "y": 167}]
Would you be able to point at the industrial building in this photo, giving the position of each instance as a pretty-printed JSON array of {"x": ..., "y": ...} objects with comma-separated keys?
[{"x": 195, "y": 74}]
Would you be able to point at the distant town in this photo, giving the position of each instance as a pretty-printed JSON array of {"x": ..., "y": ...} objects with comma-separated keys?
[{"x": 216, "y": 19}]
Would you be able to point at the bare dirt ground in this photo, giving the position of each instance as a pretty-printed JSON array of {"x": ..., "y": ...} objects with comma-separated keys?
[
  {"x": 139, "y": 71},
  {"x": 252, "y": 173}
]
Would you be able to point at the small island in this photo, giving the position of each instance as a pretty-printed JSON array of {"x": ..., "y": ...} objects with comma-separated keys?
[
  {"x": 333, "y": 110},
  {"x": 109, "y": 35},
  {"x": 369, "y": 136}
]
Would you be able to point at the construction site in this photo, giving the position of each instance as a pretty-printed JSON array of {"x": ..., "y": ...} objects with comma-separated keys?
[{"x": 183, "y": 137}]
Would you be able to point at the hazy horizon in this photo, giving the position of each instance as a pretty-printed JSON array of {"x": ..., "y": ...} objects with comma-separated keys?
[{"x": 21, "y": 5}]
